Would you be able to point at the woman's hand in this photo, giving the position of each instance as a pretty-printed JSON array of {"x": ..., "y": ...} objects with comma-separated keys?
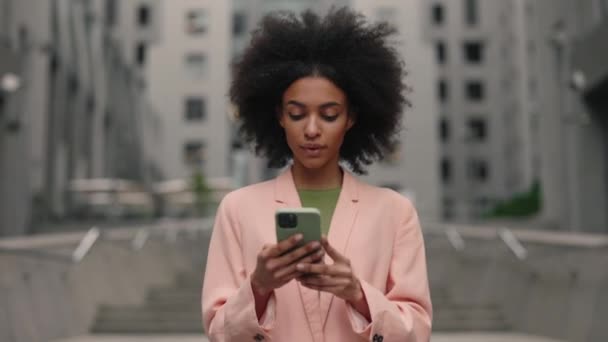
[
  {"x": 276, "y": 266},
  {"x": 337, "y": 278}
]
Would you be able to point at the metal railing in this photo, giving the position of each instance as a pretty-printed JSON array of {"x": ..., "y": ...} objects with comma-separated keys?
[
  {"x": 513, "y": 239},
  {"x": 41, "y": 247}
]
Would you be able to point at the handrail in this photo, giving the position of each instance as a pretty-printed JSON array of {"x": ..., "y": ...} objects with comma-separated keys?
[
  {"x": 34, "y": 246},
  {"x": 81, "y": 251},
  {"x": 455, "y": 239},
  {"x": 507, "y": 236},
  {"x": 140, "y": 239},
  {"x": 543, "y": 237},
  {"x": 86, "y": 244}
]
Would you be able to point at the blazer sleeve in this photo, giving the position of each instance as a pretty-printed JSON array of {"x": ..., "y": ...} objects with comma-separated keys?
[
  {"x": 404, "y": 312},
  {"x": 228, "y": 304}
]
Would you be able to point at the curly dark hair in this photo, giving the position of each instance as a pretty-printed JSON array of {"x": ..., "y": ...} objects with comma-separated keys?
[{"x": 342, "y": 47}]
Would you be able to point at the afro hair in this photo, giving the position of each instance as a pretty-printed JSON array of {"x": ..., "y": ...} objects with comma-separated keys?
[{"x": 343, "y": 47}]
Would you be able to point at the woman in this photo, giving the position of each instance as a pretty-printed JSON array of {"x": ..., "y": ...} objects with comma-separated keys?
[{"x": 312, "y": 92}]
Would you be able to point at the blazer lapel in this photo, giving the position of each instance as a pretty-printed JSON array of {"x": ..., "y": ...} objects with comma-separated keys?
[
  {"x": 286, "y": 196},
  {"x": 341, "y": 226},
  {"x": 317, "y": 305}
]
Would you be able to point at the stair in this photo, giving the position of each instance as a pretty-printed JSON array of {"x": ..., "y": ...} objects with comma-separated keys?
[
  {"x": 450, "y": 316},
  {"x": 167, "y": 310},
  {"x": 176, "y": 309}
]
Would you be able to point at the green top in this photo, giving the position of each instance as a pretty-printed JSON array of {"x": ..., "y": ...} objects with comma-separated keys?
[{"x": 325, "y": 200}]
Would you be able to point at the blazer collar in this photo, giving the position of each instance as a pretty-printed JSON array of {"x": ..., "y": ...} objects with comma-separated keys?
[
  {"x": 317, "y": 304},
  {"x": 285, "y": 188}
]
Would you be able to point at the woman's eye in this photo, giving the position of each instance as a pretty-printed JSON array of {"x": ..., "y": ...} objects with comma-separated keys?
[
  {"x": 295, "y": 116},
  {"x": 330, "y": 117}
]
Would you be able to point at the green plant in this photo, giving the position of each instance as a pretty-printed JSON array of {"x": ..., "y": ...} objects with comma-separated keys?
[
  {"x": 521, "y": 205},
  {"x": 202, "y": 192}
]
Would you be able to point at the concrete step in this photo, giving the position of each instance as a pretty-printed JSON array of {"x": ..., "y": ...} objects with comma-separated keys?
[
  {"x": 147, "y": 312},
  {"x": 454, "y": 325},
  {"x": 463, "y": 317},
  {"x": 148, "y": 327},
  {"x": 189, "y": 280}
]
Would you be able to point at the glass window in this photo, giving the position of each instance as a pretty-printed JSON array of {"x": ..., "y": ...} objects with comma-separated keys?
[
  {"x": 196, "y": 66},
  {"x": 195, "y": 109},
  {"x": 197, "y": 22},
  {"x": 442, "y": 90},
  {"x": 446, "y": 170},
  {"x": 474, "y": 91},
  {"x": 239, "y": 23},
  {"x": 444, "y": 130},
  {"x": 471, "y": 12},
  {"x": 478, "y": 170},
  {"x": 194, "y": 153},
  {"x": 143, "y": 16},
  {"x": 1, "y": 104},
  {"x": 441, "y": 52},
  {"x": 448, "y": 208},
  {"x": 477, "y": 129},
  {"x": 473, "y": 52},
  {"x": 111, "y": 12},
  {"x": 437, "y": 14},
  {"x": 140, "y": 54}
]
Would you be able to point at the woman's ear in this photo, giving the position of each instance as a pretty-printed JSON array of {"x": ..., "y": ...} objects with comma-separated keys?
[{"x": 351, "y": 120}]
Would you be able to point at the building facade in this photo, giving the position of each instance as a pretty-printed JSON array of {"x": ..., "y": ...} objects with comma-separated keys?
[
  {"x": 80, "y": 111},
  {"x": 188, "y": 80},
  {"x": 567, "y": 57},
  {"x": 484, "y": 128}
]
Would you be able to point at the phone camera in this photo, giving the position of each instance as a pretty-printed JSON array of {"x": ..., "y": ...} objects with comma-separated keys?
[{"x": 288, "y": 220}]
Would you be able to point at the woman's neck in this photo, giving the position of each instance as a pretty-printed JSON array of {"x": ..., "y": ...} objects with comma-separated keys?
[{"x": 323, "y": 178}]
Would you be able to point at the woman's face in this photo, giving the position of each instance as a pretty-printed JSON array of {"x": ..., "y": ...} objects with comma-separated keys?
[{"x": 315, "y": 117}]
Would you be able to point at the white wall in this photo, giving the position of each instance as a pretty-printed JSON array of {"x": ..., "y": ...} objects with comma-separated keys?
[
  {"x": 169, "y": 85},
  {"x": 416, "y": 167}
]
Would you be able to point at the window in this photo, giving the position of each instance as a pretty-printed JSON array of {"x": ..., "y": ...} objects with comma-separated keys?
[
  {"x": 140, "y": 54},
  {"x": 110, "y": 12},
  {"x": 478, "y": 170},
  {"x": 437, "y": 14},
  {"x": 477, "y": 129},
  {"x": 143, "y": 16},
  {"x": 442, "y": 90},
  {"x": 440, "y": 51},
  {"x": 197, "y": 22},
  {"x": 194, "y": 153},
  {"x": 196, "y": 66},
  {"x": 195, "y": 109},
  {"x": 473, "y": 52},
  {"x": 448, "y": 208},
  {"x": 474, "y": 91},
  {"x": 1, "y": 105},
  {"x": 446, "y": 170},
  {"x": 239, "y": 23},
  {"x": 444, "y": 130},
  {"x": 471, "y": 12},
  {"x": 482, "y": 204}
]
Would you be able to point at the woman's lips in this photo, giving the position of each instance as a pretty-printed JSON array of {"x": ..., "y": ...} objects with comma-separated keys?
[{"x": 312, "y": 150}]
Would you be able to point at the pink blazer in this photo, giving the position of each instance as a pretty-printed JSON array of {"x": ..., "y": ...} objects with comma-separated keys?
[{"x": 376, "y": 228}]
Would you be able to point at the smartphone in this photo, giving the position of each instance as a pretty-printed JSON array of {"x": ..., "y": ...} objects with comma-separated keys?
[{"x": 291, "y": 221}]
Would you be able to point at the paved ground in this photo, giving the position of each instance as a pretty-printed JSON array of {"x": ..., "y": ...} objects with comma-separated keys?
[{"x": 453, "y": 337}]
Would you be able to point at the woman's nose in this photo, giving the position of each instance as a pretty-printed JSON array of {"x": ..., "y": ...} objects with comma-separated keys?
[{"x": 312, "y": 127}]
